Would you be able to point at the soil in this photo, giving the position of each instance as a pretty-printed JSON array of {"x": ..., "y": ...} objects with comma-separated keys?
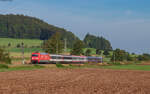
[{"x": 75, "y": 81}]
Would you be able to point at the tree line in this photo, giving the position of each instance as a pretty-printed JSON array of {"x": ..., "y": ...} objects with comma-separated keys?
[{"x": 97, "y": 42}]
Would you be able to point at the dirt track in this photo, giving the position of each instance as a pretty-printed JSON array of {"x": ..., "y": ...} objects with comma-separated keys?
[{"x": 77, "y": 81}]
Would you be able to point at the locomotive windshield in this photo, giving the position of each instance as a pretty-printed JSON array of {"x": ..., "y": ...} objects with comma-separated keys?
[{"x": 34, "y": 55}]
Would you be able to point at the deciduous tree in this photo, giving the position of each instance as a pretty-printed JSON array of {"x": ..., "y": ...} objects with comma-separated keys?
[
  {"x": 4, "y": 57},
  {"x": 54, "y": 45},
  {"x": 88, "y": 52},
  {"x": 77, "y": 48}
]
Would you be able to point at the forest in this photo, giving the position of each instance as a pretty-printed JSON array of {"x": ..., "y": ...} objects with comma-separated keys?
[{"x": 26, "y": 27}]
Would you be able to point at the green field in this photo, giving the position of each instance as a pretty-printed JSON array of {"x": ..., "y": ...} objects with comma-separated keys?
[
  {"x": 26, "y": 50},
  {"x": 14, "y": 42},
  {"x": 30, "y": 45},
  {"x": 5, "y": 68},
  {"x": 114, "y": 67},
  {"x": 128, "y": 67}
]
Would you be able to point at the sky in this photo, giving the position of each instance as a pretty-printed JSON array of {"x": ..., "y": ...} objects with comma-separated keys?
[{"x": 125, "y": 23}]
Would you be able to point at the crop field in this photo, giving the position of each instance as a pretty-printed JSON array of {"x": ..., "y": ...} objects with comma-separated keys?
[{"x": 75, "y": 81}]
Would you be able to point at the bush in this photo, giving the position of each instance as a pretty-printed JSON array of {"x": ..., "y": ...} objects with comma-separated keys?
[
  {"x": 3, "y": 66},
  {"x": 88, "y": 52},
  {"x": 4, "y": 57},
  {"x": 58, "y": 65},
  {"x": 7, "y": 60},
  {"x": 144, "y": 57},
  {"x": 18, "y": 46}
]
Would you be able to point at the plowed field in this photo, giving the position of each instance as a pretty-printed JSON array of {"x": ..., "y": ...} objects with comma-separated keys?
[{"x": 75, "y": 81}]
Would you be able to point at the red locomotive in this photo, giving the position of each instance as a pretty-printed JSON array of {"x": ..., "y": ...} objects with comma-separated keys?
[
  {"x": 52, "y": 58},
  {"x": 40, "y": 58}
]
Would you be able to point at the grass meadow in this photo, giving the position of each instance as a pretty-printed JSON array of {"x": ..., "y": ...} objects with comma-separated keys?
[
  {"x": 128, "y": 67},
  {"x": 15, "y": 42},
  {"x": 5, "y": 68},
  {"x": 30, "y": 45}
]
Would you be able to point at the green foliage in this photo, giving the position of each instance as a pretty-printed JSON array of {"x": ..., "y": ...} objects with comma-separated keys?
[
  {"x": 88, "y": 52},
  {"x": 38, "y": 66},
  {"x": 106, "y": 52},
  {"x": 93, "y": 50},
  {"x": 58, "y": 65},
  {"x": 77, "y": 48},
  {"x": 20, "y": 26},
  {"x": 144, "y": 57},
  {"x": 54, "y": 45},
  {"x": 18, "y": 68},
  {"x": 18, "y": 46},
  {"x": 69, "y": 37},
  {"x": 128, "y": 67},
  {"x": 3, "y": 66},
  {"x": 101, "y": 43},
  {"x": 4, "y": 57},
  {"x": 129, "y": 57},
  {"x": 121, "y": 55},
  {"x": 9, "y": 44},
  {"x": 98, "y": 52}
]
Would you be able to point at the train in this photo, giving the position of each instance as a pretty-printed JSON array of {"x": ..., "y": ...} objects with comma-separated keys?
[{"x": 38, "y": 58}]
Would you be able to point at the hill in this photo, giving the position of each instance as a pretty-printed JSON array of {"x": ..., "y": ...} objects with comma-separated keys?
[
  {"x": 101, "y": 43},
  {"x": 25, "y": 27}
]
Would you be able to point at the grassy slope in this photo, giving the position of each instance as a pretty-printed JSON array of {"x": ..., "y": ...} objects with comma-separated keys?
[
  {"x": 14, "y": 42},
  {"x": 16, "y": 53},
  {"x": 27, "y": 42}
]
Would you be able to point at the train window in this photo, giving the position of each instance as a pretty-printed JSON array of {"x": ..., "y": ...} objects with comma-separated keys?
[
  {"x": 55, "y": 57},
  {"x": 67, "y": 57},
  {"x": 34, "y": 55},
  {"x": 76, "y": 58},
  {"x": 59, "y": 57},
  {"x": 81, "y": 58}
]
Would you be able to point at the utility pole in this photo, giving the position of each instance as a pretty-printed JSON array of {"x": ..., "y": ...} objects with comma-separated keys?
[
  {"x": 114, "y": 57},
  {"x": 23, "y": 60},
  {"x": 57, "y": 47},
  {"x": 65, "y": 48},
  {"x": 102, "y": 57},
  {"x": 57, "y": 52}
]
